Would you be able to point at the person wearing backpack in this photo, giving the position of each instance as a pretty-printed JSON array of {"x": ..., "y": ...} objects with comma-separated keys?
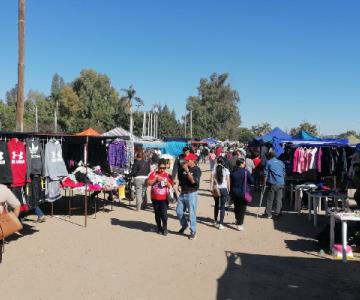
[
  {"x": 160, "y": 182},
  {"x": 240, "y": 179},
  {"x": 220, "y": 182}
]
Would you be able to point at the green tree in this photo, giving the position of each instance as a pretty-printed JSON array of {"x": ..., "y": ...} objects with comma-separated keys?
[
  {"x": 11, "y": 96},
  {"x": 99, "y": 101},
  {"x": 69, "y": 108},
  {"x": 215, "y": 109},
  {"x": 168, "y": 124},
  {"x": 348, "y": 133},
  {"x": 7, "y": 117},
  {"x": 127, "y": 102},
  {"x": 245, "y": 135},
  {"x": 57, "y": 85},
  {"x": 261, "y": 129},
  {"x": 304, "y": 125}
]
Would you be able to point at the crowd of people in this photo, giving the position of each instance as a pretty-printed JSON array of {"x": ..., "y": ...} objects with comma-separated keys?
[{"x": 233, "y": 171}]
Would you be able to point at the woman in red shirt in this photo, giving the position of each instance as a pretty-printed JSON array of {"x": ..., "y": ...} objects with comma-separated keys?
[{"x": 160, "y": 183}]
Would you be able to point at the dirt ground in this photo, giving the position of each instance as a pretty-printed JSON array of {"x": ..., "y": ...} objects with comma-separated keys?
[{"x": 119, "y": 256}]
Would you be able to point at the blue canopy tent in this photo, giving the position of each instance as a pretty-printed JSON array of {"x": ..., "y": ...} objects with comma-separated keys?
[
  {"x": 306, "y": 136},
  {"x": 275, "y": 137}
]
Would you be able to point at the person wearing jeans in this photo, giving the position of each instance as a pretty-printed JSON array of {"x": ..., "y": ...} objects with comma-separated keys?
[
  {"x": 189, "y": 178},
  {"x": 274, "y": 176},
  {"x": 187, "y": 202},
  {"x": 140, "y": 171},
  {"x": 220, "y": 179},
  {"x": 160, "y": 183}
]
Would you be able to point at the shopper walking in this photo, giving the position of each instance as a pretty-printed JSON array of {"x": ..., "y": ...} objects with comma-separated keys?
[
  {"x": 189, "y": 180},
  {"x": 220, "y": 182},
  {"x": 240, "y": 179},
  {"x": 140, "y": 171},
  {"x": 160, "y": 183},
  {"x": 274, "y": 177},
  {"x": 212, "y": 159}
]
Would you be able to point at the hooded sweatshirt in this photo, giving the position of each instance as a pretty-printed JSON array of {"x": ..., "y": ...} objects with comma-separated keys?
[
  {"x": 54, "y": 166},
  {"x": 18, "y": 162},
  {"x": 34, "y": 157},
  {"x": 5, "y": 167}
]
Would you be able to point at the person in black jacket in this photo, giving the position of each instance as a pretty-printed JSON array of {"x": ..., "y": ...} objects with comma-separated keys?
[
  {"x": 238, "y": 189},
  {"x": 140, "y": 172}
]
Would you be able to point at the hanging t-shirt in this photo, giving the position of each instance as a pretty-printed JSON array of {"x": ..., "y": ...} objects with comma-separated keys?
[
  {"x": 34, "y": 157},
  {"x": 18, "y": 162},
  {"x": 5, "y": 167}
]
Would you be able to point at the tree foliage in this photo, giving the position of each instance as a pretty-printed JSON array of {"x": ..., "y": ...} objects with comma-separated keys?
[
  {"x": 306, "y": 126},
  {"x": 99, "y": 102},
  {"x": 261, "y": 129},
  {"x": 215, "y": 109}
]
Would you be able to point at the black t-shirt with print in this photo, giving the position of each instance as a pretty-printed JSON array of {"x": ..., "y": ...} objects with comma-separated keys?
[
  {"x": 5, "y": 168},
  {"x": 185, "y": 183}
]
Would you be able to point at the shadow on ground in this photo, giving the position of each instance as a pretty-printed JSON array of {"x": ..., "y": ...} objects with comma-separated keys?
[
  {"x": 250, "y": 276},
  {"x": 137, "y": 225}
]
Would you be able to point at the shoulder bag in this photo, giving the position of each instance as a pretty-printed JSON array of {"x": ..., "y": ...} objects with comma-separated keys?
[
  {"x": 247, "y": 195},
  {"x": 9, "y": 224}
]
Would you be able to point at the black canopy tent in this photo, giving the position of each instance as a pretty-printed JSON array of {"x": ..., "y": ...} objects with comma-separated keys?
[{"x": 80, "y": 146}]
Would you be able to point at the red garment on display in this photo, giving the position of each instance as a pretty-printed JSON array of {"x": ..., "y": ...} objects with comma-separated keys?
[{"x": 17, "y": 162}]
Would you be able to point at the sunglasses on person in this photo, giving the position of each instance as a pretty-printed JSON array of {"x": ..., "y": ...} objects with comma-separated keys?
[{"x": 162, "y": 168}]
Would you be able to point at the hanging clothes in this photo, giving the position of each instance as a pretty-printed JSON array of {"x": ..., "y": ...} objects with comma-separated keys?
[
  {"x": 117, "y": 154},
  {"x": 20, "y": 195},
  {"x": 355, "y": 159},
  {"x": 312, "y": 158},
  {"x": 34, "y": 191},
  {"x": 318, "y": 162},
  {"x": 34, "y": 157},
  {"x": 17, "y": 161},
  {"x": 54, "y": 165},
  {"x": 5, "y": 166},
  {"x": 54, "y": 170}
]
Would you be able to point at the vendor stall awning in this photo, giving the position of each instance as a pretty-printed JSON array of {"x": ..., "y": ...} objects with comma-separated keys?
[{"x": 88, "y": 132}]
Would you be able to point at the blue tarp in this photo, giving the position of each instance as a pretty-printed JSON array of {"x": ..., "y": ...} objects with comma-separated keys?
[
  {"x": 210, "y": 141},
  {"x": 174, "y": 148},
  {"x": 276, "y": 133},
  {"x": 306, "y": 136}
]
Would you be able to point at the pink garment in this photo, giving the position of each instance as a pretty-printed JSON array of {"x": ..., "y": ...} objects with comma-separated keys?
[
  {"x": 318, "y": 163},
  {"x": 302, "y": 161},
  {"x": 296, "y": 160}
]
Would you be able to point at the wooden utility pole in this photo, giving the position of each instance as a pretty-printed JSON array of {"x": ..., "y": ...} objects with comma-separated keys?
[{"x": 21, "y": 64}]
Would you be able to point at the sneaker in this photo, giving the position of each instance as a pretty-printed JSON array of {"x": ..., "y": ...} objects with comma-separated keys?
[
  {"x": 41, "y": 219},
  {"x": 165, "y": 232},
  {"x": 221, "y": 227},
  {"x": 266, "y": 216},
  {"x": 215, "y": 223},
  {"x": 182, "y": 229},
  {"x": 240, "y": 227},
  {"x": 192, "y": 236},
  {"x": 159, "y": 231}
]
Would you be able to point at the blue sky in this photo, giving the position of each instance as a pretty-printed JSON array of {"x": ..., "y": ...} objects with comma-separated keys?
[{"x": 289, "y": 60}]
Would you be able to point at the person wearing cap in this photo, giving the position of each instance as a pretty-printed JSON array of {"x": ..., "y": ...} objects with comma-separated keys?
[
  {"x": 274, "y": 177},
  {"x": 189, "y": 180},
  {"x": 178, "y": 161}
]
